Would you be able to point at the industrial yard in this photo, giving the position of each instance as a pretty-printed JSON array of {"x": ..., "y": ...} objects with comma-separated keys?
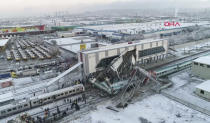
[{"x": 112, "y": 66}]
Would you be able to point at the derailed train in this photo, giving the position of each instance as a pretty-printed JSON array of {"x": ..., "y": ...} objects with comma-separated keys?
[{"x": 39, "y": 100}]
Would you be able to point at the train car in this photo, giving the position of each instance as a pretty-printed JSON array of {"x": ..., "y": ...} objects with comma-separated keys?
[
  {"x": 6, "y": 98},
  {"x": 26, "y": 43},
  {"x": 17, "y": 57},
  {"x": 31, "y": 44},
  {"x": 44, "y": 48},
  {"x": 30, "y": 54},
  {"x": 22, "y": 45},
  {"x": 38, "y": 54},
  {"x": 56, "y": 95},
  {"x": 173, "y": 69},
  {"x": 43, "y": 52},
  {"x": 47, "y": 55},
  {"x": 29, "y": 72},
  {"x": 8, "y": 55},
  {"x": 10, "y": 109},
  {"x": 24, "y": 57}
]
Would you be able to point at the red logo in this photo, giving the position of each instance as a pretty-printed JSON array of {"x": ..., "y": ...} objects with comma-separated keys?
[{"x": 171, "y": 23}]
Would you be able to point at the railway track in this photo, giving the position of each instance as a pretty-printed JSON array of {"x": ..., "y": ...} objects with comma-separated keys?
[
  {"x": 182, "y": 59},
  {"x": 94, "y": 99}
]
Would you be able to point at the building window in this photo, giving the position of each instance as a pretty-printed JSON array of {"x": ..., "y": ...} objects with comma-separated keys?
[
  {"x": 195, "y": 63},
  {"x": 151, "y": 51},
  {"x": 202, "y": 91}
]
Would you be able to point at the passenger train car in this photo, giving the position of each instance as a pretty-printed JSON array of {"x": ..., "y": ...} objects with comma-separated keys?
[
  {"x": 173, "y": 69},
  {"x": 39, "y": 100}
]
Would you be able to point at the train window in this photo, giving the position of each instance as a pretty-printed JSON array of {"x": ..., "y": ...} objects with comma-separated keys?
[
  {"x": 48, "y": 97},
  {"x": 3, "y": 112},
  {"x": 58, "y": 95},
  {"x": 62, "y": 94},
  {"x": 202, "y": 91},
  {"x": 9, "y": 110},
  {"x": 25, "y": 105},
  {"x": 14, "y": 108},
  {"x": 202, "y": 65},
  {"x": 19, "y": 107},
  {"x": 69, "y": 91},
  {"x": 208, "y": 66},
  {"x": 34, "y": 102},
  {"x": 66, "y": 93},
  {"x": 195, "y": 63}
]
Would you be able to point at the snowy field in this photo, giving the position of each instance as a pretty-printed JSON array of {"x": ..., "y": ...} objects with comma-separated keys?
[{"x": 154, "y": 109}]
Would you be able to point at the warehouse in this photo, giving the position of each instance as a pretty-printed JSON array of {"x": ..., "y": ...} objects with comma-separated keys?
[
  {"x": 203, "y": 89},
  {"x": 201, "y": 67},
  {"x": 145, "y": 51},
  {"x": 130, "y": 30}
]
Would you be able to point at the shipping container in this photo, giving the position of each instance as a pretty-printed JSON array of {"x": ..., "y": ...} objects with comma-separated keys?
[{"x": 5, "y": 75}]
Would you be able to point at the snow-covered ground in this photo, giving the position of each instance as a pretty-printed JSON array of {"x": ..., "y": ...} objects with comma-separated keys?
[{"x": 154, "y": 109}]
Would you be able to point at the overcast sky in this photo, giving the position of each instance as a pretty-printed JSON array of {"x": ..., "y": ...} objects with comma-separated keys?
[{"x": 10, "y": 8}]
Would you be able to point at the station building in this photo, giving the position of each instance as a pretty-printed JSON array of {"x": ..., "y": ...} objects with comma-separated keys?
[
  {"x": 201, "y": 67},
  {"x": 145, "y": 51},
  {"x": 203, "y": 89}
]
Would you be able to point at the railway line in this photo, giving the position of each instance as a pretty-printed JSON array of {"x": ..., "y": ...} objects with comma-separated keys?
[
  {"x": 92, "y": 99},
  {"x": 183, "y": 62}
]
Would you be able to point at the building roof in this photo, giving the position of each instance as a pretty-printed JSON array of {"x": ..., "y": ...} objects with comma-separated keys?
[
  {"x": 3, "y": 42},
  {"x": 204, "y": 86},
  {"x": 121, "y": 45},
  {"x": 203, "y": 60}
]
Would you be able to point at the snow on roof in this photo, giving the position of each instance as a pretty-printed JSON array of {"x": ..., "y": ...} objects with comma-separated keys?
[
  {"x": 133, "y": 27},
  {"x": 204, "y": 86},
  {"x": 3, "y": 42},
  {"x": 203, "y": 60},
  {"x": 6, "y": 97}
]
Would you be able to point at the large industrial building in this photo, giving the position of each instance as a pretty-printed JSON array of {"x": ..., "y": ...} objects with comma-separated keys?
[
  {"x": 201, "y": 67},
  {"x": 145, "y": 51},
  {"x": 3, "y": 43},
  {"x": 13, "y": 31}
]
